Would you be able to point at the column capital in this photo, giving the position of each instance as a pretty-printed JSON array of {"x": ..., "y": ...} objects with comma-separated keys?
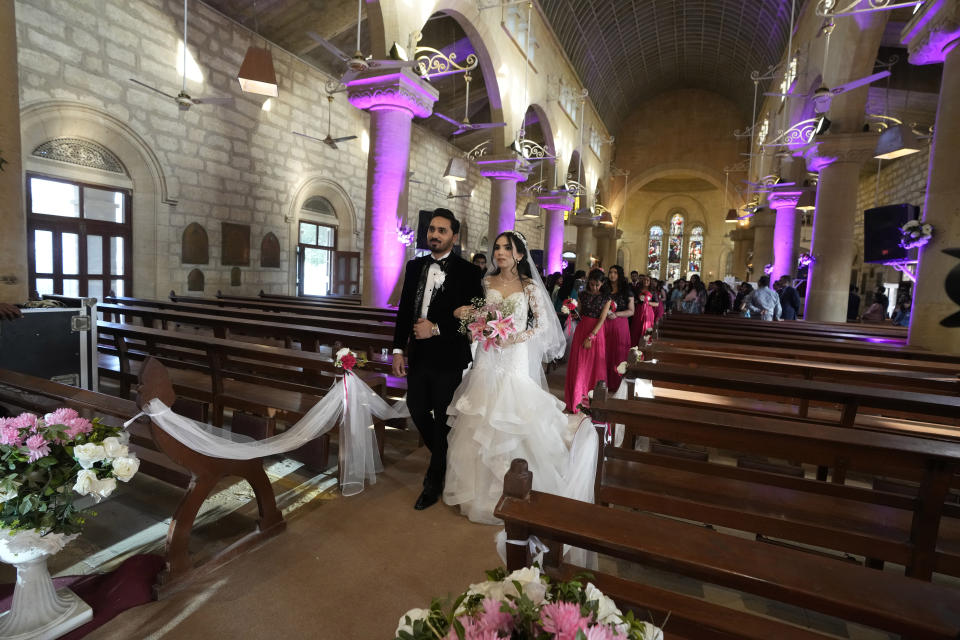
[
  {"x": 395, "y": 89},
  {"x": 582, "y": 221},
  {"x": 932, "y": 32},
  {"x": 841, "y": 147},
  {"x": 504, "y": 167},
  {"x": 557, "y": 200},
  {"x": 604, "y": 231},
  {"x": 784, "y": 198},
  {"x": 764, "y": 217}
]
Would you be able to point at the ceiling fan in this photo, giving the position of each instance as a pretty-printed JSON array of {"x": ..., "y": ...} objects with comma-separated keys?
[
  {"x": 329, "y": 140},
  {"x": 358, "y": 63},
  {"x": 822, "y": 96},
  {"x": 183, "y": 100},
  {"x": 466, "y": 125}
]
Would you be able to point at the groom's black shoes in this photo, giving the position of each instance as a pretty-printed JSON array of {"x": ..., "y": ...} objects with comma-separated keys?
[{"x": 426, "y": 499}]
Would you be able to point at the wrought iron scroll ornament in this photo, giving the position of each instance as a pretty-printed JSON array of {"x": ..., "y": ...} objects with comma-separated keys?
[
  {"x": 80, "y": 152},
  {"x": 828, "y": 8},
  {"x": 798, "y": 135},
  {"x": 480, "y": 150},
  {"x": 434, "y": 63}
]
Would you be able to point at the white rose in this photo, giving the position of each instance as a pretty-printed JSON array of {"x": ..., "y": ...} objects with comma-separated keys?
[
  {"x": 114, "y": 448},
  {"x": 622, "y": 368},
  {"x": 414, "y": 615},
  {"x": 89, "y": 454},
  {"x": 124, "y": 437},
  {"x": 86, "y": 482},
  {"x": 342, "y": 352},
  {"x": 529, "y": 579},
  {"x": 12, "y": 493},
  {"x": 495, "y": 590},
  {"x": 607, "y": 611},
  {"x": 105, "y": 487},
  {"x": 124, "y": 468}
]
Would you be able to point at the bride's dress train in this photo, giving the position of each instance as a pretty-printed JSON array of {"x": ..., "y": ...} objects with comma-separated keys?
[{"x": 501, "y": 412}]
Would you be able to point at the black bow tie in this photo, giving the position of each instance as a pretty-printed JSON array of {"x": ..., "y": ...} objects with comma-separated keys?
[{"x": 442, "y": 261}]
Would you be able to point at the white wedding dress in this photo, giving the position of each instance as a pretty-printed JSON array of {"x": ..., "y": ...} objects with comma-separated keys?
[{"x": 501, "y": 412}]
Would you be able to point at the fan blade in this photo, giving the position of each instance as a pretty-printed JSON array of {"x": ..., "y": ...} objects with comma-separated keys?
[
  {"x": 146, "y": 86},
  {"x": 348, "y": 76},
  {"x": 392, "y": 64},
  {"x": 330, "y": 142},
  {"x": 345, "y": 138},
  {"x": 486, "y": 125},
  {"x": 854, "y": 84},
  {"x": 213, "y": 100},
  {"x": 303, "y": 135},
  {"x": 455, "y": 123},
  {"x": 329, "y": 46},
  {"x": 779, "y": 95}
]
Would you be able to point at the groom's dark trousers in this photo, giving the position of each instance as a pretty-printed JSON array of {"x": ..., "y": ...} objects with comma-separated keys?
[{"x": 436, "y": 364}]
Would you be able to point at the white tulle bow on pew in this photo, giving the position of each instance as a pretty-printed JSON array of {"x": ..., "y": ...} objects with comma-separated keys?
[{"x": 349, "y": 397}]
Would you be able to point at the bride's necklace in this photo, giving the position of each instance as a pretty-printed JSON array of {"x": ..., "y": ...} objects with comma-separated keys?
[{"x": 505, "y": 281}]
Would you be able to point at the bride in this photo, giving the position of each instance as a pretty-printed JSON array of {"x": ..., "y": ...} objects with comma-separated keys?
[{"x": 503, "y": 408}]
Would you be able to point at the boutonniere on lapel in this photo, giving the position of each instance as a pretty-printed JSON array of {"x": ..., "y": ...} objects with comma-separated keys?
[{"x": 439, "y": 279}]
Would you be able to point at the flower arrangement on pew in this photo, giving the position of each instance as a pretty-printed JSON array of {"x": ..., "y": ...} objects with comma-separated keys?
[
  {"x": 49, "y": 458},
  {"x": 805, "y": 260},
  {"x": 915, "y": 234},
  {"x": 347, "y": 359},
  {"x": 489, "y": 323},
  {"x": 525, "y": 605}
]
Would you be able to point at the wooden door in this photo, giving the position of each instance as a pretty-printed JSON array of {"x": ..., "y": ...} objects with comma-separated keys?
[{"x": 346, "y": 273}]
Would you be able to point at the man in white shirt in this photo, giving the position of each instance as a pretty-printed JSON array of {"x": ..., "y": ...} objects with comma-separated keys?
[{"x": 764, "y": 302}]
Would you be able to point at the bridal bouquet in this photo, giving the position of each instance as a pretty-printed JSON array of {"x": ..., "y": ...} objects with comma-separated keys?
[
  {"x": 525, "y": 605},
  {"x": 569, "y": 306},
  {"x": 49, "y": 458},
  {"x": 489, "y": 323}
]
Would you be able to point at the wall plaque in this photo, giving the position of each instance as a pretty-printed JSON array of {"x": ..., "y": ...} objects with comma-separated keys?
[
  {"x": 236, "y": 244},
  {"x": 194, "y": 246},
  {"x": 270, "y": 251},
  {"x": 195, "y": 280}
]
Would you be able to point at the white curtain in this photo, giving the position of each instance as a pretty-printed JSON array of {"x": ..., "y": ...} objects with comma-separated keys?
[{"x": 349, "y": 397}]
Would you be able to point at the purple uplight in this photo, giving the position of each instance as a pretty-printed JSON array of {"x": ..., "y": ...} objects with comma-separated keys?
[
  {"x": 876, "y": 340},
  {"x": 553, "y": 242}
]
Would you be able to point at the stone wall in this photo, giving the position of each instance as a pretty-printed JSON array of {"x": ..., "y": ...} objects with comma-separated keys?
[{"x": 235, "y": 163}]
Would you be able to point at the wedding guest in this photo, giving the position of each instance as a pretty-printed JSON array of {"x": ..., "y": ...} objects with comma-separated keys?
[
  {"x": 617, "y": 326},
  {"x": 635, "y": 281},
  {"x": 659, "y": 298},
  {"x": 695, "y": 297},
  {"x": 901, "y": 316},
  {"x": 718, "y": 302},
  {"x": 853, "y": 304},
  {"x": 739, "y": 303},
  {"x": 764, "y": 301},
  {"x": 480, "y": 260},
  {"x": 588, "y": 363},
  {"x": 677, "y": 293},
  {"x": 645, "y": 315},
  {"x": 789, "y": 298},
  {"x": 874, "y": 313}
]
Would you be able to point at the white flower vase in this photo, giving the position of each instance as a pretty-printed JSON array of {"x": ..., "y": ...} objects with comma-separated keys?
[{"x": 39, "y": 611}]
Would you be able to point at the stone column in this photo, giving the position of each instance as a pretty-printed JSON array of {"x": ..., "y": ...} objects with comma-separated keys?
[
  {"x": 392, "y": 98},
  {"x": 505, "y": 172},
  {"x": 13, "y": 221},
  {"x": 838, "y": 160},
  {"x": 935, "y": 320},
  {"x": 554, "y": 204},
  {"x": 742, "y": 245},
  {"x": 585, "y": 244},
  {"x": 603, "y": 234},
  {"x": 762, "y": 223},
  {"x": 786, "y": 231}
]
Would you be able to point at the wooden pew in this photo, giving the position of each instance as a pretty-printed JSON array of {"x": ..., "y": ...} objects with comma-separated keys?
[
  {"x": 272, "y": 305},
  {"x": 929, "y": 407},
  {"x": 205, "y": 472},
  {"x": 921, "y": 532},
  {"x": 40, "y": 395},
  {"x": 345, "y": 299},
  {"x": 890, "y": 602},
  {"x": 800, "y": 326},
  {"x": 272, "y": 382},
  {"x": 309, "y": 337}
]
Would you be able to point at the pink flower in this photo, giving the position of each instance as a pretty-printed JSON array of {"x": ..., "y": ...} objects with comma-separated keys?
[
  {"x": 493, "y": 619},
  {"x": 502, "y": 327},
  {"x": 60, "y": 416},
  {"x": 563, "y": 619},
  {"x": 76, "y": 426},
  {"x": 489, "y": 341},
  {"x": 38, "y": 447},
  {"x": 600, "y": 632},
  {"x": 348, "y": 362},
  {"x": 9, "y": 433},
  {"x": 476, "y": 329},
  {"x": 24, "y": 421}
]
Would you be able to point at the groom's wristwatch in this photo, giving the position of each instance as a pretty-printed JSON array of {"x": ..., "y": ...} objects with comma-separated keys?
[{"x": 435, "y": 330}]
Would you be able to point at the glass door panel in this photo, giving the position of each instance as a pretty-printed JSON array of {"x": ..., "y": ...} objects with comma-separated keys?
[{"x": 316, "y": 271}]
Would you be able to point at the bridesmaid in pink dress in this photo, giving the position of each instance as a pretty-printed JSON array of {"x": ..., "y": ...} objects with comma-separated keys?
[
  {"x": 617, "y": 326},
  {"x": 659, "y": 309},
  {"x": 588, "y": 362},
  {"x": 644, "y": 318}
]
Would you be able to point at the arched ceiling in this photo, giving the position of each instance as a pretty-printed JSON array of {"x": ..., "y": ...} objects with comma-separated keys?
[{"x": 628, "y": 50}]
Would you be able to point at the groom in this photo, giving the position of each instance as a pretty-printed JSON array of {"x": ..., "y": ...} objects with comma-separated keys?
[{"x": 429, "y": 334}]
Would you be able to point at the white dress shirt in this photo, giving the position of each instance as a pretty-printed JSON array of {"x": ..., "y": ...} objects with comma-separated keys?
[{"x": 430, "y": 285}]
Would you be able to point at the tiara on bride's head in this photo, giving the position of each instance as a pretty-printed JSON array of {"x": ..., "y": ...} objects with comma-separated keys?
[{"x": 519, "y": 235}]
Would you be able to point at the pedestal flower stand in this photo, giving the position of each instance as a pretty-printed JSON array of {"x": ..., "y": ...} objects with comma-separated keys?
[{"x": 39, "y": 611}]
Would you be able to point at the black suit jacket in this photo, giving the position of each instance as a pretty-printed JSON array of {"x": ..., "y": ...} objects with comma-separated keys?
[{"x": 451, "y": 349}]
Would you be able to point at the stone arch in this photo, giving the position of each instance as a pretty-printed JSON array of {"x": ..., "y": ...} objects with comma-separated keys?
[
  {"x": 478, "y": 37},
  {"x": 349, "y": 224},
  {"x": 549, "y": 142},
  {"x": 154, "y": 193}
]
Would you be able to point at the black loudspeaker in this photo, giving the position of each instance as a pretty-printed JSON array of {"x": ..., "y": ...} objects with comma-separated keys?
[
  {"x": 881, "y": 232},
  {"x": 422, "y": 225}
]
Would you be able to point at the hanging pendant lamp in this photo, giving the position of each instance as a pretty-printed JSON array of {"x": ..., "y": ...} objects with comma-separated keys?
[{"x": 256, "y": 73}]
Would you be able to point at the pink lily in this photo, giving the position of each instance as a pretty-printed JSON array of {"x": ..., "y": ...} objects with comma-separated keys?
[
  {"x": 502, "y": 327},
  {"x": 476, "y": 329},
  {"x": 489, "y": 341}
]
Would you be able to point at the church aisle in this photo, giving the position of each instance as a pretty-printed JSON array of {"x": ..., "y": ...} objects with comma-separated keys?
[{"x": 344, "y": 571}]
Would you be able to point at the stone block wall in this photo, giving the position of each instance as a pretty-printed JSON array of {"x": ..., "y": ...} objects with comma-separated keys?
[{"x": 235, "y": 163}]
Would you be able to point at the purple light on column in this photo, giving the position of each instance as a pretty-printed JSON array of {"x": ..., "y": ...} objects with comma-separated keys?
[
  {"x": 553, "y": 241},
  {"x": 785, "y": 246}
]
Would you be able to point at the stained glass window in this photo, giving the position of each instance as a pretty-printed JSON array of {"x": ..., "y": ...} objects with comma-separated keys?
[
  {"x": 695, "y": 251},
  {"x": 654, "y": 250},
  {"x": 675, "y": 247}
]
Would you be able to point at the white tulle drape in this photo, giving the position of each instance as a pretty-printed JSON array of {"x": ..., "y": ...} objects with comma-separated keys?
[{"x": 349, "y": 397}]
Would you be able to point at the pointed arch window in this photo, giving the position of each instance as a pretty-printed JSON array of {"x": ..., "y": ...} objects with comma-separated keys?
[
  {"x": 695, "y": 251},
  {"x": 654, "y": 251},
  {"x": 675, "y": 247}
]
